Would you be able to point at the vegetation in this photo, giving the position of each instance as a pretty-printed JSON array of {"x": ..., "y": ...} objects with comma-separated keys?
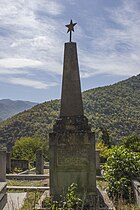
[
  {"x": 35, "y": 183},
  {"x": 68, "y": 202},
  {"x": 121, "y": 167},
  {"x": 31, "y": 200},
  {"x": 114, "y": 107},
  {"x": 26, "y": 147},
  {"x": 104, "y": 151},
  {"x": 114, "y": 114},
  {"x": 37, "y": 121},
  {"x": 132, "y": 143}
]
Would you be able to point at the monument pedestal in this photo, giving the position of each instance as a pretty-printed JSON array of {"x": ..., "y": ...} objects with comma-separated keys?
[{"x": 72, "y": 157}]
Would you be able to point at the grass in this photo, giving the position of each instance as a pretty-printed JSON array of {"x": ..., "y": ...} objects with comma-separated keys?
[
  {"x": 31, "y": 200},
  {"x": 120, "y": 205},
  {"x": 36, "y": 183},
  {"x": 33, "y": 197}
]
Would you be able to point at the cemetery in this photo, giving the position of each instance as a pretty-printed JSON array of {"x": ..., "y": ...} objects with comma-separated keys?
[
  {"x": 15, "y": 188},
  {"x": 74, "y": 162},
  {"x": 31, "y": 180}
]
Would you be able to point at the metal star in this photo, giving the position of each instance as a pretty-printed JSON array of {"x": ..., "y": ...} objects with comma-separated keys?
[{"x": 70, "y": 28}]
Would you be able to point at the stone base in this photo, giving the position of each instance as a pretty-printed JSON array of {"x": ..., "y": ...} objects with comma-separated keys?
[
  {"x": 92, "y": 201},
  {"x": 96, "y": 202},
  {"x": 72, "y": 160}
]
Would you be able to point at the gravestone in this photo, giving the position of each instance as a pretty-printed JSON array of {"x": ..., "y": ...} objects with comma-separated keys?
[
  {"x": 39, "y": 162},
  {"x": 20, "y": 164},
  {"x": 3, "y": 195},
  {"x": 72, "y": 144},
  {"x": 8, "y": 162},
  {"x": 98, "y": 170},
  {"x": 2, "y": 165}
]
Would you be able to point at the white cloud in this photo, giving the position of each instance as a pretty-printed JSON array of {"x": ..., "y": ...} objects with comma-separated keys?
[
  {"x": 53, "y": 7},
  {"x": 33, "y": 33},
  {"x": 110, "y": 64},
  {"x": 31, "y": 83},
  {"x": 33, "y": 39},
  {"x": 18, "y": 63},
  {"x": 5, "y": 71},
  {"x": 117, "y": 49}
]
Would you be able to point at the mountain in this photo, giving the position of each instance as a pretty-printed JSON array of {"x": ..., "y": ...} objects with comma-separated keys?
[
  {"x": 114, "y": 107},
  {"x": 9, "y": 107}
]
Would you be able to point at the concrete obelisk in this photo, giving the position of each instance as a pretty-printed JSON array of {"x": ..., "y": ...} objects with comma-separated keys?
[
  {"x": 71, "y": 99},
  {"x": 72, "y": 144}
]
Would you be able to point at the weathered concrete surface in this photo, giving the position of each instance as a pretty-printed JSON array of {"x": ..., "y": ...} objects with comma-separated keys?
[
  {"x": 15, "y": 201},
  {"x": 71, "y": 98},
  {"x": 8, "y": 162},
  {"x": 72, "y": 144},
  {"x": 72, "y": 160},
  {"x": 39, "y": 162},
  {"x": 29, "y": 171},
  {"x": 2, "y": 165},
  {"x": 3, "y": 195},
  {"x": 136, "y": 188},
  {"x": 22, "y": 164},
  {"x": 104, "y": 201}
]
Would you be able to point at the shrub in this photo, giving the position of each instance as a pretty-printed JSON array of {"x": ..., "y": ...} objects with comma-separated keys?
[
  {"x": 25, "y": 148},
  {"x": 132, "y": 143},
  {"x": 104, "y": 150},
  {"x": 121, "y": 166},
  {"x": 68, "y": 202}
]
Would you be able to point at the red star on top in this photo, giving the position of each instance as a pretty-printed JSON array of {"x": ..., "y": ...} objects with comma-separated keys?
[{"x": 71, "y": 26}]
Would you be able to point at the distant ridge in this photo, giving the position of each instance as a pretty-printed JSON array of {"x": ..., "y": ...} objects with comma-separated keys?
[
  {"x": 9, "y": 107},
  {"x": 115, "y": 107}
]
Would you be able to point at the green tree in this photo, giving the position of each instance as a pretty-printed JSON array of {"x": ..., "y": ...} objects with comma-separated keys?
[
  {"x": 122, "y": 165},
  {"x": 132, "y": 143},
  {"x": 104, "y": 150},
  {"x": 105, "y": 136},
  {"x": 25, "y": 148}
]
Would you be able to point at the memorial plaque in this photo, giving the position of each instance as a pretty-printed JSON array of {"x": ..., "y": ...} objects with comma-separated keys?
[{"x": 72, "y": 157}]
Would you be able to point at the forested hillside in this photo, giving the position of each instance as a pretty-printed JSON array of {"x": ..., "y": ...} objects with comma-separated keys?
[
  {"x": 9, "y": 107},
  {"x": 115, "y": 107}
]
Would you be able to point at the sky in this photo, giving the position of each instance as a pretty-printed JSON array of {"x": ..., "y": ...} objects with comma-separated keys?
[{"x": 32, "y": 37}]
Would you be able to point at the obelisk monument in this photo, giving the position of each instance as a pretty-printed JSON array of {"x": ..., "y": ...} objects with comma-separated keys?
[{"x": 72, "y": 144}]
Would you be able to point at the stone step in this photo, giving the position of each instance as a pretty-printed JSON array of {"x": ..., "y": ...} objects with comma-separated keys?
[
  {"x": 35, "y": 177},
  {"x": 15, "y": 200}
]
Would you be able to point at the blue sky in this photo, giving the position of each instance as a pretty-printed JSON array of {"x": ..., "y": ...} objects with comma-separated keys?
[{"x": 32, "y": 37}]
